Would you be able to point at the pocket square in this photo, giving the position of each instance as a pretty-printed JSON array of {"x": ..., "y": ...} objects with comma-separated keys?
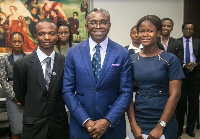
[{"x": 115, "y": 65}]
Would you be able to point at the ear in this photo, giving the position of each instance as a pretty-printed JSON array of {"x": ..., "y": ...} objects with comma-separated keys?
[
  {"x": 86, "y": 26},
  {"x": 159, "y": 32}
]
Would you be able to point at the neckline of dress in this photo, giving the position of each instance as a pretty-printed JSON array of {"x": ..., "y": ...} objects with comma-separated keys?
[{"x": 150, "y": 56}]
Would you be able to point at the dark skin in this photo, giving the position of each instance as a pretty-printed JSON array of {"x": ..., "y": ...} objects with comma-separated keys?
[
  {"x": 17, "y": 42},
  {"x": 148, "y": 35},
  {"x": 46, "y": 35},
  {"x": 166, "y": 30},
  {"x": 188, "y": 31},
  {"x": 98, "y": 34}
]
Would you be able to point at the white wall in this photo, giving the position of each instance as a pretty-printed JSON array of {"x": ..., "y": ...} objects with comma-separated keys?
[{"x": 126, "y": 13}]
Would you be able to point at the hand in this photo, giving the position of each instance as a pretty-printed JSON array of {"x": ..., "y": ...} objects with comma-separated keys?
[
  {"x": 137, "y": 132},
  {"x": 99, "y": 128},
  {"x": 190, "y": 66},
  {"x": 156, "y": 133},
  {"x": 89, "y": 124},
  {"x": 16, "y": 101}
]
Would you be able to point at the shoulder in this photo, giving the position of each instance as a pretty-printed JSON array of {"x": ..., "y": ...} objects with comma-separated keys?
[
  {"x": 169, "y": 57},
  {"x": 118, "y": 46}
]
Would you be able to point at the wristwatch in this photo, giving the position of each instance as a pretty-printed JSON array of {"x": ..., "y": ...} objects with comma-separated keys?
[{"x": 162, "y": 123}]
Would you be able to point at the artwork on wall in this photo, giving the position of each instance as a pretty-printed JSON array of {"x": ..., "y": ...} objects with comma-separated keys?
[{"x": 22, "y": 15}]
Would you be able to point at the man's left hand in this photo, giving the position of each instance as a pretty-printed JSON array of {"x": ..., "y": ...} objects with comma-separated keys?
[{"x": 99, "y": 128}]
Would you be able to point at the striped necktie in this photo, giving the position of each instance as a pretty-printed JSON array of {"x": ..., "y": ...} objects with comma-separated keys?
[{"x": 48, "y": 71}]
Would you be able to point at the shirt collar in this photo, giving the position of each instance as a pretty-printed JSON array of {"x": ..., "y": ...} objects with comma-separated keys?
[
  {"x": 42, "y": 55},
  {"x": 103, "y": 44},
  {"x": 134, "y": 48},
  {"x": 190, "y": 39}
]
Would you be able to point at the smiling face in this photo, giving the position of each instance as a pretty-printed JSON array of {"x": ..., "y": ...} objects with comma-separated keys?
[
  {"x": 46, "y": 35},
  {"x": 166, "y": 27},
  {"x": 148, "y": 33},
  {"x": 98, "y": 32}
]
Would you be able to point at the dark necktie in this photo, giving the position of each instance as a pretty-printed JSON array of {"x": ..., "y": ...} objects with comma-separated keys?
[
  {"x": 187, "y": 55},
  {"x": 96, "y": 62},
  {"x": 48, "y": 71}
]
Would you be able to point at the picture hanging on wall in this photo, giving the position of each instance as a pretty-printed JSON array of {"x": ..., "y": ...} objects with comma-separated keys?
[{"x": 22, "y": 15}]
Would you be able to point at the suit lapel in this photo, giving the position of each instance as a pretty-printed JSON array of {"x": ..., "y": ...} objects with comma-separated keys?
[
  {"x": 56, "y": 69},
  {"x": 85, "y": 53},
  {"x": 37, "y": 70},
  {"x": 110, "y": 54}
]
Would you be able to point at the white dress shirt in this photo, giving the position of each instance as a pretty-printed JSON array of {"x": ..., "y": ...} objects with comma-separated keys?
[
  {"x": 42, "y": 56},
  {"x": 103, "y": 49},
  {"x": 136, "y": 49}
]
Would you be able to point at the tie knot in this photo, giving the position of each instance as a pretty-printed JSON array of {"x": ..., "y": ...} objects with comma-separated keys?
[
  {"x": 97, "y": 46},
  {"x": 187, "y": 40},
  {"x": 47, "y": 60}
]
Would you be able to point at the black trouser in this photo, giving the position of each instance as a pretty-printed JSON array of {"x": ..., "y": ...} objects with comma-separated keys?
[{"x": 189, "y": 93}]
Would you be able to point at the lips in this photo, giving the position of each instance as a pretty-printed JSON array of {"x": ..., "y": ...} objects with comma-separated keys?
[
  {"x": 46, "y": 43},
  {"x": 98, "y": 33}
]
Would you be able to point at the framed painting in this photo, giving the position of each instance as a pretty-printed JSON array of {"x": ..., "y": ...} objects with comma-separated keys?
[{"x": 22, "y": 15}]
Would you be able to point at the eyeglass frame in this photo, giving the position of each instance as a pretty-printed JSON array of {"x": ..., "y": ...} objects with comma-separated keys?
[
  {"x": 101, "y": 23},
  {"x": 189, "y": 29}
]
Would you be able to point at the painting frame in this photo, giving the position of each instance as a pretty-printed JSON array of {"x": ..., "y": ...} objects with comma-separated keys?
[{"x": 5, "y": 50}]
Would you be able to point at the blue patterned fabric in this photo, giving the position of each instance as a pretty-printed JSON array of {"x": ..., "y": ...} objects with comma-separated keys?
[
  {"x": 187, "y": 52},
  {"x": 48, "y": 71},
  {"x": 96, "y": 62}
]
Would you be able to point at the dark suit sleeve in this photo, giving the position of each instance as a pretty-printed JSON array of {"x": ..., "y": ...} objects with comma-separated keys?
[
  {"x": 19, "y": 83},
  {"x": 180, "y": 51}
]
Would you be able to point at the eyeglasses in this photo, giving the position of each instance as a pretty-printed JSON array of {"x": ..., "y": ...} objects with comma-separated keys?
[
  {"x": 189, "y": 29},
  {"x": 61, "y": 33},
  {"x": 94, "y": 23}
]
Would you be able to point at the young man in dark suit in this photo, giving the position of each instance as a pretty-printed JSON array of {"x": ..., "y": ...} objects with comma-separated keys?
[
  {"x": 97, "y": 84},
  {"x": 170, "y": 44},
  {"x": 190, "y": 85},
  {"x": 38, "y": 87}
]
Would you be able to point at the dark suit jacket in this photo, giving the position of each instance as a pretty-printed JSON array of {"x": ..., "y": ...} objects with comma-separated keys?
[
  {"x": 196, "y": 51},
  {"x": 175, "y": 47},
  {"x": 43, "y": 110},
  {"x": 109, "y": 98},
  {"x": 131, "y": 51}
]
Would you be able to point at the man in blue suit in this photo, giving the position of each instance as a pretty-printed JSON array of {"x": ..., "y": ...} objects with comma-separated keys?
[{"x": 97, "y": 82}]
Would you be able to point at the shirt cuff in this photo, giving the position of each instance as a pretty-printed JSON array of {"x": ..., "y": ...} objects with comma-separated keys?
[{"x": 85, "y": 121}]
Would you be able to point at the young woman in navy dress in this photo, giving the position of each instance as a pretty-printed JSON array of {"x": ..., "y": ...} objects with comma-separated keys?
[{"x": 157, "y": 75}]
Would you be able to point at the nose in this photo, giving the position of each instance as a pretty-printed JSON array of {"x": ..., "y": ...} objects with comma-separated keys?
[{"x": 46, "y": 36}]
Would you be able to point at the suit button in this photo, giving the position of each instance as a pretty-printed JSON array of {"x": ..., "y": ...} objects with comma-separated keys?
[
  {"x": 49, "y": 117},
  {"x": 95, "y": 91},
  {"x": 48, "y": 102}
]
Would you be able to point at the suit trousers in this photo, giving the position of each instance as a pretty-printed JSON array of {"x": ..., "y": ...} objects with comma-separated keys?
[{"x": 189, "y": 93}]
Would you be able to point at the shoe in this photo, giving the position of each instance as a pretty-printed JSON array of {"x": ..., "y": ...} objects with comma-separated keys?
[{"x": 190, "y": 133}]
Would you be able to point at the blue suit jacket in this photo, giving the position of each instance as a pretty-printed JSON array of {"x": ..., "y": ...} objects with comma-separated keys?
[{"x": 108, "y": 98}]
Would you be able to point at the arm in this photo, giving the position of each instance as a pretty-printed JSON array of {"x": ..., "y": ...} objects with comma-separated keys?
[
  {"x": 19, "y": 83},
  {"x": 174, "y": 95},
  {"x": 135, "y": 129},
  {"x": 7, "y": 87},
  {"x": 68, "y": 92}
]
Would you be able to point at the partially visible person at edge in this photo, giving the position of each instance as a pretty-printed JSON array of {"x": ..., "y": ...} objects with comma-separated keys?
[
  {"x": 13, "y": 106},
  {"x": 38, "y": 86},
  {"x": 189, "y": 100},
  {"x": 135, "y": 45},
  {"x": 157, "y": 75},
  {"x": 170, "y": 44},
  {"x": 97, "y": 82},
  {"x": 64, "y": 41}
]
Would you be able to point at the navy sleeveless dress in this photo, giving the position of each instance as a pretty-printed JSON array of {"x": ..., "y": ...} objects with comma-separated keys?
[{"x": 152, "y": 76}]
